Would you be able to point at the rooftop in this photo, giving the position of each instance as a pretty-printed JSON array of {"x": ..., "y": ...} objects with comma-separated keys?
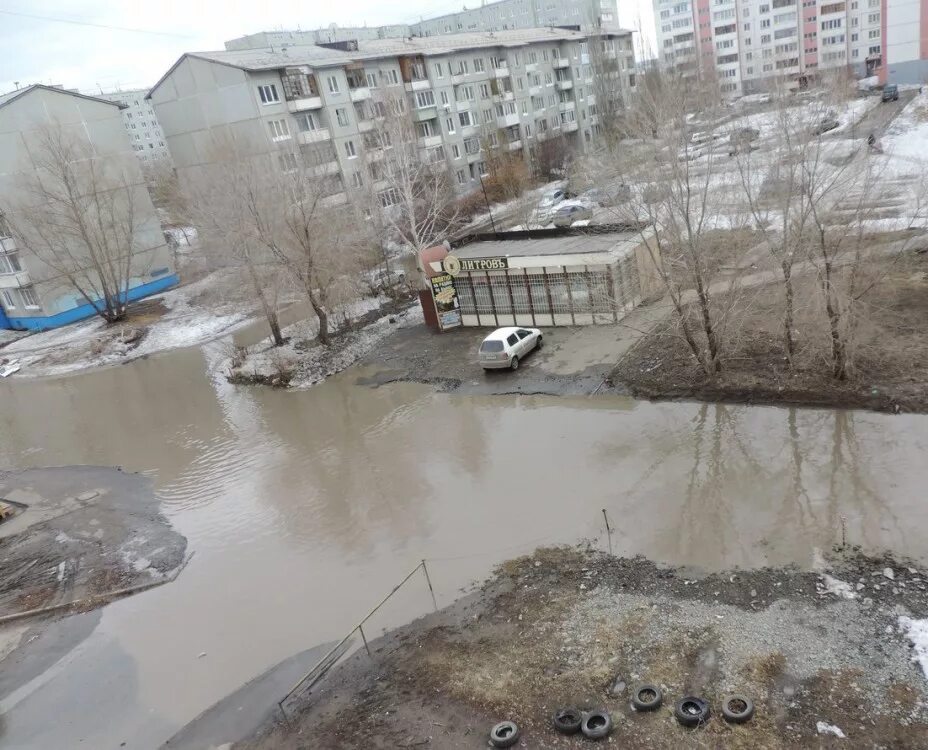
[
  {"x": 13, "y": 95},
  {"x": 566, "y": 241}
]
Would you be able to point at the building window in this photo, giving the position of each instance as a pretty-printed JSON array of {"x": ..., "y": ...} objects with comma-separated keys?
[
  {"x": 9, "y": 263},
  {"x": 280, "y": 130},
  {"x": 444, "y": 98},
  {"x": 439, "y": 73},
  {"x": 8, "y": 300},
  {"x": 357, "y": 180},
  {"x": 449, "y": 124},
  {"x": 456, "y": 150},
  {"x": 30, "y": 300},
  {"x": 287, "y": 161},
  {"x": 332, "y": 83},
  {"x": 465, "y": 119},
  {"x": 425, "y": 99},
  {"x": 307, "y": 122},
  {"x": 350, "y": 150},
  {"x": 478, "y": 65},
  {"x": 268, "y": 94},
  {"x": 462, "y": 176},
  {"x": 341, "y": 115},
  {"x": 388, "y": 197},
  {"x": 371, "y": 80}
]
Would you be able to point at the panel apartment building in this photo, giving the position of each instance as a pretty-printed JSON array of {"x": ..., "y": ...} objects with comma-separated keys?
[
  {"x": 746, "y": 43},
  {"x": 35, "y": 295},
  {"x": 521, "y": 86},
  {"x": 142, "y": 125},
  {"x": 503, "y": 15}
]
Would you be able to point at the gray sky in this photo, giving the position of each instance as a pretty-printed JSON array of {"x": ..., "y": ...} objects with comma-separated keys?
[{"x": 76, "y": 52}]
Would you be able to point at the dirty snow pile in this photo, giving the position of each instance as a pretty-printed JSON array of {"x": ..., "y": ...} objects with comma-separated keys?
[
  {"x": 839, "y": 588},
  {"x": 908, "y": 135},
  {"x": 825, "y": 728},
  {"x": 917, "y": 632},
  {"x": 91, "y": 343},
  {"x": 302, "y": 362}
]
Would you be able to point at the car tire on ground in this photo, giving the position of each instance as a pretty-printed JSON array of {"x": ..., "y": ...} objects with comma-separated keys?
[
  {"x": 505, "y": 734},
  {"x": 647, "y": 698},
  {"x": 567, "y": 720},
  {"x": 539, "y": 342},
  {"x": 596, "y": 724},
  {"x": 737, "y": 709},
  {"x": 691, "y": 711},
  {"x": 514, "y": 363}
]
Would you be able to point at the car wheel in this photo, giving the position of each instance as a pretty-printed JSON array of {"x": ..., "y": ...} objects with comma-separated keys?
[
  {"x": 539, "y": 343},
  {"x": 596, "y": 724},
  {"x": 514, "y": 363},
  {"x": 567, "y": 720},
  {"x": 691, "y": 711},
  {"x": 737, "y": 709},
  {"x": 504, "y": 734},
  {"x": 647, "y": 698}
]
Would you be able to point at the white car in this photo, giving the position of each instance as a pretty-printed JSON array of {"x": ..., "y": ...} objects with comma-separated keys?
[
  {"x": 548, "y": 205},
  {"x": 505, "y": 347}
]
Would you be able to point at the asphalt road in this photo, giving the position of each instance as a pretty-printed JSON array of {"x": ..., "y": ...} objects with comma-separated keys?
[{"x": 878, "y": 118}]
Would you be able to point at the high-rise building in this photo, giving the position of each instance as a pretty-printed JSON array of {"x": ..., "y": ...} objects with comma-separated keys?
[
  {"x": 142, "y": 125},
  {"x": 513, "y": 89},
  {"x": 746, "y": 43},
  {"x": 504, "y": 15}
]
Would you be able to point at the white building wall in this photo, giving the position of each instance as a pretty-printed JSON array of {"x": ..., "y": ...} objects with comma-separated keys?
[{"x": 145, "y": 133}]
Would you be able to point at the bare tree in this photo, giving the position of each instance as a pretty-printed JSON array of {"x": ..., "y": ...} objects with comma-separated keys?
[
  {"x": 411, "y": 182},
  {"x": 83, "y": 217},
  {"x": 608, "y": 65}
]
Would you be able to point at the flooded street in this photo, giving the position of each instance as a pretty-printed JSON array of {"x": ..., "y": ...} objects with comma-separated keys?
[{"x": 305, "y": 508}]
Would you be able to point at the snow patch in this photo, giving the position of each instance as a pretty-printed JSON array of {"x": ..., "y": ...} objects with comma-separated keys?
[
  {"x": 839, "y": 588},
  {"x": 825, "y": 728},
  {"x": 917, "y": 632}
]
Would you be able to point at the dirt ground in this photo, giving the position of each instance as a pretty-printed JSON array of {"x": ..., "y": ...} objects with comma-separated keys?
[
  {"x": 574, "y": 627},
  {"x": 573, "y": 360},
  {"x": 889, "y": 357},
  {"x": 79, "y": 532}
]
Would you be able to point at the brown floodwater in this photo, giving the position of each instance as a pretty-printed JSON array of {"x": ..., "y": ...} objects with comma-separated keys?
[{"x": 304, "y": 508}]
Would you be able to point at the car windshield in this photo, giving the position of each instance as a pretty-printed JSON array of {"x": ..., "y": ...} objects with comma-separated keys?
[{"x": 491, "y": 346}]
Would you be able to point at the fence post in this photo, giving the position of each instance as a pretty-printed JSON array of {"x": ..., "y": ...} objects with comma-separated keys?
[
  {"x": 429, "y": 582},
  {"x": 363, "y": 638}
]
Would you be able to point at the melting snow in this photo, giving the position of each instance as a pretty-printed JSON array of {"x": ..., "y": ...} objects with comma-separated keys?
[
  {"x": 837, "y": 587},
  {"x": 917, "y": 632},
  {"x": 825, "y": 728}
]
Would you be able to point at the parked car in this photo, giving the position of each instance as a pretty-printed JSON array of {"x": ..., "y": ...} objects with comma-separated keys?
[
  {"x": 890, "y": 93},
  {"x": 380, "y": 279},
  {"x": 829, "y": 122},
  {"x": 601, "y": 197},
  {"x": 506, "y": 347},
  {"x": 567, "y": 213},
  {"x": 548, "y": 204}
]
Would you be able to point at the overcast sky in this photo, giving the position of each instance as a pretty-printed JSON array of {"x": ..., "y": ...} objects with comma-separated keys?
[{"x": 148, "y": 37}]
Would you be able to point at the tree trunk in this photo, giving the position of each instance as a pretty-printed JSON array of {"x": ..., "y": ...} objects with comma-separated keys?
[
  {"x": 274, "y": 322},
  {"x": 838, "y": 349},
  {"x": 269, "y": 312},
  {"x": 323, "y": 317},
  {"x": 788, "y": 341}
]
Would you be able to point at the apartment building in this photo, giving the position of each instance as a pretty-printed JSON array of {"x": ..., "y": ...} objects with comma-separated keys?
[
  {"x": 745, "y": 44},
  {"x": 142, "y": 125},
  {"x": 904, "y": 28},
  {"x": 503, "y": 15},
  {"x": 465, "y": 93},
  {"x": 33, "y": 294}
]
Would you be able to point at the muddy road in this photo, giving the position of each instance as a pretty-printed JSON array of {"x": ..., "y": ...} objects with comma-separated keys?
[{"x": 304, "y": 508}]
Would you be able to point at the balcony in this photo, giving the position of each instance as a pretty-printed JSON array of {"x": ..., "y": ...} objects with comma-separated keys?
[
  {"x": 14, "y": 280},
  {"x": 500, "y": 72},
  {"x": 514, "y": 145},
  {"x": 564, "y": 85},
  {"x": 314, "y": 136},
  {"x": 374, "y": 154},
  {"x": 330, "y": 167},
  {"x": 566, "y": 106},
  {"x": 569, "y": 127},
  {"x": 336, "y": 199},
  {"x": 425, "y": 113},
  {"x": 457, "y": 78},
  {"x": 420, "y": 84},
  {"x": 560, "y": 63},
  {"x": 308, "y": 102},
  {"x": 506, "y": 121},
  {"x": 365, "y": 126},
  {"x": 429, "y": 141},
  {"x": 531, "y": 67},
  {"x": 534, "y": 90},
  {"x": 359, "y": 94}
]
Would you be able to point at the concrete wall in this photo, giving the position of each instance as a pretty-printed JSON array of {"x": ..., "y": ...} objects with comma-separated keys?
[{"x": 99, "y": 127}]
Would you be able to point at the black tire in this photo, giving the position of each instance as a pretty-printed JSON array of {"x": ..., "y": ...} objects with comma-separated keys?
[
  {"x": 567, "y": 720},
  {"x": 596, "y": 724},
  {"x": 691, "y": 711},
  {"x": 514, "y": 363},
  {"x": 539, "y": 342},
  {"x": 505, "y": 734},
  {"x": 647, "y": 698},
  {"x": 737, "y": 709}
]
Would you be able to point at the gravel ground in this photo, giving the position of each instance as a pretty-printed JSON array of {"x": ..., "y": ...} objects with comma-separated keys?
[{"x": 819, "y": 653}]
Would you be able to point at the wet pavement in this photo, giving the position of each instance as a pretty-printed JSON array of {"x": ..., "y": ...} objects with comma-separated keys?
[{"x": 305, "y": 508}]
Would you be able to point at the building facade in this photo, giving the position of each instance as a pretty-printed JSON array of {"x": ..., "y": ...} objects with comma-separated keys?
[
  {"x": 904, "y": 29},
  {"x": 35, "y": 293},
  {"x": 516, "y": 88},
  {"x": 142, "y": 125},
  {"x": 747, "y": 43},
  {"x": 503, "y": 15}
]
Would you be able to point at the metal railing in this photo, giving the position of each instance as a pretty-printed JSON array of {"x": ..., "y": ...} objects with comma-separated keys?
[{"x": 322, "y": 667}]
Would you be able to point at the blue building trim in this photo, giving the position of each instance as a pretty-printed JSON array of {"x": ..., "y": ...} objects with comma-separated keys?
[{"x": 43, "y": 323}]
